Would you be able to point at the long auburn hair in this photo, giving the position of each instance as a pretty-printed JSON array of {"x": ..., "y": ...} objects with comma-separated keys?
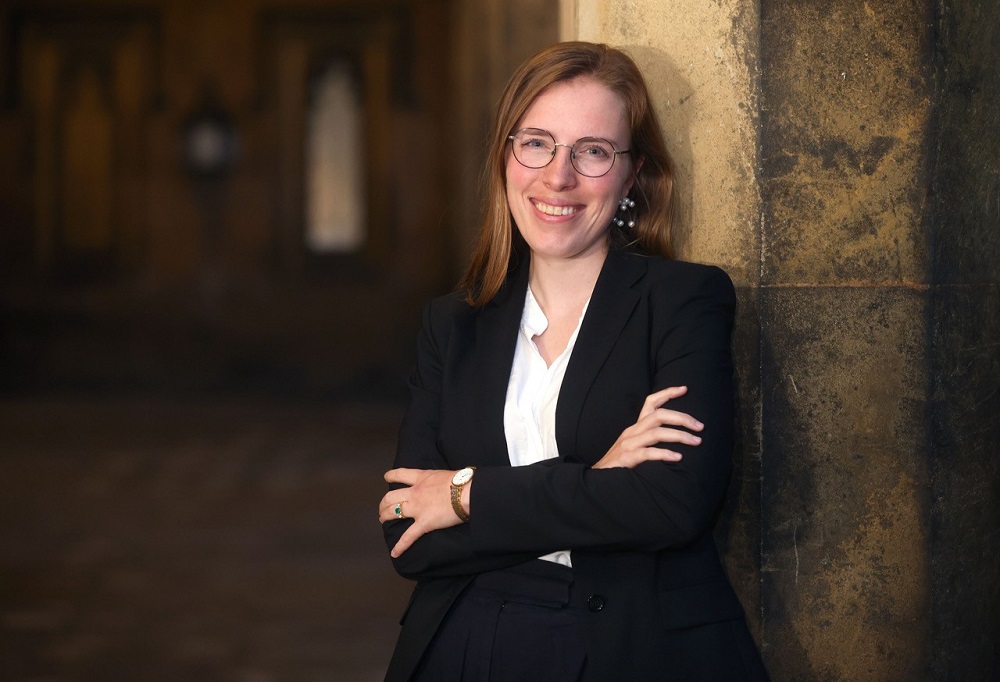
[{"x": 500, "y": 245}]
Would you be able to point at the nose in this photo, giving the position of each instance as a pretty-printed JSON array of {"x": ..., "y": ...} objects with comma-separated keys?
[{"x": 560, "y": 173}]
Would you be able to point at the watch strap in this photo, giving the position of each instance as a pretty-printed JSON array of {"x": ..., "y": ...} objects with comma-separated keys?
[{"x": 456, "y": 501}]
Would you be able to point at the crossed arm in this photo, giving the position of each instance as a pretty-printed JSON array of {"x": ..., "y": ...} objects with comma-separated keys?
[
  {"x": 657, "y": 486},
  {"x": 426, "y": 497}
]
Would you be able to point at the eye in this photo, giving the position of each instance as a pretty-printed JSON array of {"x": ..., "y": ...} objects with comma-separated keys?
[
  {"x": 535, "y": 140},
  {"x": 595, "y": 149}
]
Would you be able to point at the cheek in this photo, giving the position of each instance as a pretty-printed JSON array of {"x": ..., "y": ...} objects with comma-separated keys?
[
  {"x": 616, "y": 190},
  {"x": 626, "y": 180},
  {"x": 514, "y": 175},
  {"x": 517, "y": 183},
  {"x": 509, "y": 191}
]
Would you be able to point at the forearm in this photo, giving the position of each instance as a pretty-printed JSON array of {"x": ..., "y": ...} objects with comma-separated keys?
[
  {"x": 649, "y": 507},
  {"x": 576, "y": 507},
  {"x": 447, "y": 552}
]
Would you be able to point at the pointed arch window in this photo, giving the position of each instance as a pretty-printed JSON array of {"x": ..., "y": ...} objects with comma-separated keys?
[{"x": 336, "y": 220}]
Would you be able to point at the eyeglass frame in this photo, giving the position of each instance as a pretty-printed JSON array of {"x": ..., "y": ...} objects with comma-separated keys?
[{"x": 570, "y": 147}]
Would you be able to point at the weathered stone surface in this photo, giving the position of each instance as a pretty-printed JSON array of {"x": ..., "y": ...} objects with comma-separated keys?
[
  {"x": 843, "y": 389},
  {"x": 966, "y": 188},
  {"x": 965, "y": 477},
  {"x": 702, "y": 74},
  {"x": 870, "y": 404},
  {"x": 845, "y": 114},
  {"x": 964, "y": 334}
]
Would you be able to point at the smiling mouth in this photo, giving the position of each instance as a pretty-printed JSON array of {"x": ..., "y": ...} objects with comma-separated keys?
[{"x": 554, "y": 210}]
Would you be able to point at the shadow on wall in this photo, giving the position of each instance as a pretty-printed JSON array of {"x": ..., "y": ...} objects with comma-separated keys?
[{"x": 670, "y": 90}]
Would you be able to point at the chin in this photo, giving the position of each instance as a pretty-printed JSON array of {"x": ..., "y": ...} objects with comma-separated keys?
[{"x": 567, "y": 252}]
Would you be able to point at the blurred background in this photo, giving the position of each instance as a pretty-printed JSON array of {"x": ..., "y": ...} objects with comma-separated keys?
[{"x": 218, "y": 220}]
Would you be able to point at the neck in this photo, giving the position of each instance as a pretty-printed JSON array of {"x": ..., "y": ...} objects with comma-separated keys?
[{"x": 562, "y": 284}]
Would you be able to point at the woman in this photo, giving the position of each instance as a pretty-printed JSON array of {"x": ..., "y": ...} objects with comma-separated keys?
[{"x": 555, "y": 513}]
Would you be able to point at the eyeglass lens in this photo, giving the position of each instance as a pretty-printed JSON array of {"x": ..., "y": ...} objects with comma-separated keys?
[{"x": 590, "y": 156}]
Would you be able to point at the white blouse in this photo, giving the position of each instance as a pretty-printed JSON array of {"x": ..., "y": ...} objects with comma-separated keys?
[{"x": 530, "y": 411}]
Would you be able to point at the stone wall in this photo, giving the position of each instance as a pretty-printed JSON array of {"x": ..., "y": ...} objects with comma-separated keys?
[
  {"x": 846, "y": 95},
  {"x": 840, "y": 160},
  {"x": 963, "y": 339}
]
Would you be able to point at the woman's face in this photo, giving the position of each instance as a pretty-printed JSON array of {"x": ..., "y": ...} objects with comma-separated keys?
[{"x": 560, "y": 213}]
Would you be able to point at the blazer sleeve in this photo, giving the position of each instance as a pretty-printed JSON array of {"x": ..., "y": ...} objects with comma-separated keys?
[
  {"x": 657, "y": 505},
  {"x": 450, "y": 551}
]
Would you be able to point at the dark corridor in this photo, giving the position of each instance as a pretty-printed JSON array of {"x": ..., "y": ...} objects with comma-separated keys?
[{"x": 217, "y": 223}]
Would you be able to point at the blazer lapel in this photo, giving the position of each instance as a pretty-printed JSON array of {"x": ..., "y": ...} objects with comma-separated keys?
[
  {"x": 496, "y": 338},
  {"x": 611, "y": 305}
]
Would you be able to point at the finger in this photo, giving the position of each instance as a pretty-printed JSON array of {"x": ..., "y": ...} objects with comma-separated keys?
[
  {"x": 651, "y": 454},
  {"x": 383, "y": 505},
  {"x": 634, "y": 458},
  {"x": 391, "y": 498},
  {"x": 665, "y": 435},
  {"x": 389, "y": 513},
  {"x": 655, "y": 400},
  {"x": 639, "y": 440},
  {"x": 674, "y": 418},
  {"x": 655, "y": 436},
  {"x": 661, "y": 455},
  {"x": 404, "y": 476}
]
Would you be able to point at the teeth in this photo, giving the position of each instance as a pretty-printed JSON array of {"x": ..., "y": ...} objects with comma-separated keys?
[{"x": 554, "y": 210}]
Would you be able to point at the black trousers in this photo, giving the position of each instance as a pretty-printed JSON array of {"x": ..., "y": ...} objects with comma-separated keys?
[
  {"x": 519, "y": 624},
  {"x": 513, "y": 624}
]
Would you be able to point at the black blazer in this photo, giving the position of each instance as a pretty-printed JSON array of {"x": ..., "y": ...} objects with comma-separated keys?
[{"x": 640, "y": 538}]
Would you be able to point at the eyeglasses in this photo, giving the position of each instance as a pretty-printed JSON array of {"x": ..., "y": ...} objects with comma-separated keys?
[{"x": 590, "y": 156}]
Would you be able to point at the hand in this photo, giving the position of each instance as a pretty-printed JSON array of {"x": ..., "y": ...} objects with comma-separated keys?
[
  {"x": 637, "y": 444},
  {"x": 426, "y": 500}
]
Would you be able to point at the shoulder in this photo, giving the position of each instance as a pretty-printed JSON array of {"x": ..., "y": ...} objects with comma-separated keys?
[
  {"x": 448, "y": 306},
  {"x": 443, "y": 312},
  {"x": 682, "y": 279},
  {"x": 688, "y": 303}
]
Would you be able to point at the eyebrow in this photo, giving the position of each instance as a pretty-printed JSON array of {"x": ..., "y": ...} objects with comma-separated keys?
[{"x": 585, "y": 137}]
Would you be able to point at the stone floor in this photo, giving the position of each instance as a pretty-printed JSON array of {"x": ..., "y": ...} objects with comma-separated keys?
[{"x": 162, "y": 540}]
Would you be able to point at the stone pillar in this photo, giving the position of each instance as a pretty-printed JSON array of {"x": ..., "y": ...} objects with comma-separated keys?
[
  {"x": 846, "y": 95},
  {"x": 963, "y": 338},
  {"x": 841, "y": 160}
]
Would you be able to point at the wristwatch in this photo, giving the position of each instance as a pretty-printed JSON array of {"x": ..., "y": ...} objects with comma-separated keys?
[{"x": 458, "y": 481}]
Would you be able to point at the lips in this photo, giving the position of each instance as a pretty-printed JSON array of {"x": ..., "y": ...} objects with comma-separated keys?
[{"x": 549, "y": 209}]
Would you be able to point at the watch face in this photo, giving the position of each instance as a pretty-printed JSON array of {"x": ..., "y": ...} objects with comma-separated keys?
[{"x": 462, "y": 476}]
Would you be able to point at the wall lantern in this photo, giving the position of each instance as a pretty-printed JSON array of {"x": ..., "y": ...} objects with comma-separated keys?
[{"x": 209, "y": 140}]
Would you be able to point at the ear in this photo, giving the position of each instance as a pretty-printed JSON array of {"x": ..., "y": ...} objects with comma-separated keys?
[{"x": 638, "y": 166}]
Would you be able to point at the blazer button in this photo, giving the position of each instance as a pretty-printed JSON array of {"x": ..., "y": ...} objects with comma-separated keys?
[{"x": 595, "y": 603}]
